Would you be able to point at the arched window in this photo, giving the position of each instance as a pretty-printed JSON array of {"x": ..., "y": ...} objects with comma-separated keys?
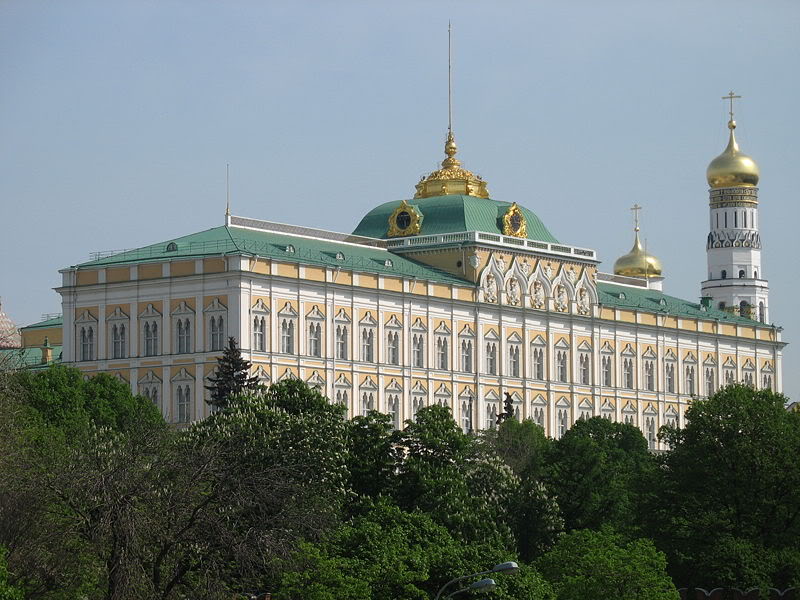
[
  {"x": 513, "y": 361},
  {"x": 491, "y": 415},
  {"x": 762, "y": 313},
  {"x": 259, "y": 334},
  {"x": 393, "y": 409},
  {"x": 441, "y": 353},
  {"x": 341, "y": 342},
  {"x": 217, "y": 333},
  {"x": 417, "y": 402},
  {"x": 755, "y": 274},
  {"x": 314, "y": 340},
  {"x": 538, "y": 363},
  {"x": 563, "y": 422},
  {"x": 491, "y": 358},
  {"x": 418, "y": 351},
  {"x": 606, "y": 363},
  {"x": 561, "y": 366},
  {"x": 724, "y": 274},
  {"x": 368, "y": 345},
  {"x": 670, "y": 373},
  {"x": 184, "y": 398},
  {"x": 393, "y": 348},
  {"x": 367, "y": 403},
  {"x": 466, "y": 356},
  {"x": 690, "y": 386},
  {"x": 650, "y": 424},
  {"x": 710, "y": 381},
  {"x": 466, "y": 415},
  {"x": 118, "y": 341},
  {"x": 287, "y": 336},
  {"x": 627, "y": 373},
  {"x": 744, "y": 309},
  {"x": 150, "y": 338},
  {"x": 585, "y": 364},
  {"x": 741, "y": 273},
  {"x": 649, "y": 375}
]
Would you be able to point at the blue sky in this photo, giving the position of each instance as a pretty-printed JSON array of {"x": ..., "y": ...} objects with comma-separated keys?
[{"x": 117, "y": 120}]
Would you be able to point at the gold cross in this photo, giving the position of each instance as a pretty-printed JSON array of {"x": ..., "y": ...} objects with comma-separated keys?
[
  {"x": 636, "y": 208},
  {"x": 730, "y": 98}
]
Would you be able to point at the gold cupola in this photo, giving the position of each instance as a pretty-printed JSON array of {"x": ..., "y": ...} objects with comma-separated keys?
[
  {"x": 452, "y": 178},
  {"x": 637, "y": 262},
  {"x": 732, "y": 168}
]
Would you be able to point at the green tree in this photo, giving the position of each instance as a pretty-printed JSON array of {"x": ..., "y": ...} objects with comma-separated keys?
[
  {"x": 231, "y": 377},
  {"x": 600, "y": 564},
  {"x": 7, "y": 590},
  {"x": 596, "y": 470},
  {"x": 371, "y": 456},
  {"x": 725, "y": 503}
]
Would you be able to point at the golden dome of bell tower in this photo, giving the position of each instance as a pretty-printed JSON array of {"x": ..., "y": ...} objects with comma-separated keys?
[{"x": 732, "y": 168}]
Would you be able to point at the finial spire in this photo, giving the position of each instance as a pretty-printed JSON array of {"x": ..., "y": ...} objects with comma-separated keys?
[
  {"x": 227, "y": 189},
  {"x": 730, "y": 97},
  {"x": 449, "y": 80},
  {"x": 636, "y": 208}
]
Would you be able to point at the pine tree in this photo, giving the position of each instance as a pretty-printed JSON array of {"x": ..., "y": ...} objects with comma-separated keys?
[
  {"x": 508, "y": 409},
  {"x": 231, "y": 377}
]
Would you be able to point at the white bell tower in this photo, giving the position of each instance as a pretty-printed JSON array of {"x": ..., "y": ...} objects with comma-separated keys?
[{"x": 735, "y": 278}]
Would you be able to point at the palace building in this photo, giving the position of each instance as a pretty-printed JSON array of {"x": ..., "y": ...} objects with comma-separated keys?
[{"x": 449, "y": 297}]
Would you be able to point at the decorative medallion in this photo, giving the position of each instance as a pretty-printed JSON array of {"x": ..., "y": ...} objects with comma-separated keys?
[
  {"x": 514, "y": 222},
  {"x": 405, "y": 220}
]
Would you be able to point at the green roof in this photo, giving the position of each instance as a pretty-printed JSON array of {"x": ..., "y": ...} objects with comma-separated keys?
[
  {"x": 268, "y": 244},
  {"x": 52, "y": 322},
  {"x": 450, "y": 214},
  {"x": 27, "y": 358},
  {"x": 657, "y": 302}
]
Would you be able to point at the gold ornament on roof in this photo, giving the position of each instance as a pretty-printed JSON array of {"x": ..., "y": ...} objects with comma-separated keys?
[
  {"x": 637, "y": 262},
  {"x": 514, "y": 223},
  {"x": 405, "y": 220},
  {"x": 732, "y": 168},
  {"x": 452, "y": 178}
]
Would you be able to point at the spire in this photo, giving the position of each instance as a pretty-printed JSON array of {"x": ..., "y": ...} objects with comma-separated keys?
[
  {"x": 452, "y": 178},
  {"x": 637, "y": 262}
]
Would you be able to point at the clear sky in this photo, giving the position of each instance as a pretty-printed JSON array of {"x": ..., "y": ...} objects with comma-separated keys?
[{"x": 117, "y": 120}]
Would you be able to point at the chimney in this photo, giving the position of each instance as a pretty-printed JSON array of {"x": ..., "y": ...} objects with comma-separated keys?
[{"x": 47, "y": 352}]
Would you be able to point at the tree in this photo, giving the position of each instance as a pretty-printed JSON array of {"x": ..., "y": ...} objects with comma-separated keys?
[
  {"x": 232, "y": 376},
  {"x": 596, "y": 470},
  {"x": 7, "y": 590},
  {"x": 600, "y": 564},
  {"x": 371, "y": 454},
  {"x": 725, "y": 506}
]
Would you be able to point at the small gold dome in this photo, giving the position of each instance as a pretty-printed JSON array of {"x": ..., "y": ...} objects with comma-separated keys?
[
  {"x": 732, "y": 168},
  {"x": 452, "y": 178},
  {"x": 637, "y": 263}
]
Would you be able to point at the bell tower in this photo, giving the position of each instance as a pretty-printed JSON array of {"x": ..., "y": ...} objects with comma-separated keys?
[{"x": 735, "y": 279}]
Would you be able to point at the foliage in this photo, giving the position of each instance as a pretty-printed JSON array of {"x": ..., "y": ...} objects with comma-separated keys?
[
  {"x": 726, "y": 507},
  {"x": 600, "y": 564},
  {"x": 231, "y": 377},
  {"x": 371, "y": 456},
  {"x": 7, "y": 590},
  {"x": 596, "y": 470}
]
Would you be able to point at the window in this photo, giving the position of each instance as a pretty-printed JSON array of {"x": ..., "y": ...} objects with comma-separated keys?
[
  {"x": 730, "y": 376},
  {"x": 183, "y": 335},
  {"x": 367, "y": 403},
  {"x": 287, "y": 336},
  {"x": 184, "y": 403},
  {"x": 151, "y": 393},
  {"x": 741, "y": 273},
  {"x": 670, "y": 377},
  {"x": 709, "y": 381},
  {"x": 341, "y": 398},
  {"x": 118, "y": 341},
  {"x": 690, "y": 387},
  {"x": 417, "y": 402},
  {"x": 341, "y": 342},
  {"x": 393, "y": 348},
  {"x": 650, "y": 375},
  {"x": 538, "y": 363},
  {"x": 259, "y": 334},
  {"x": 217, "y": 325},
  {"x": 650, "y": 426},
  {"x": 314, "y": 339},
  {"x": 441, "y": 353},
  {"x": 562, "y": 421},
  {"x": 722, "y": 306},
  {"x": 748, "y": 378},
  {"x": 368, "y": 345},
  {"x": 762, "y": 313},
  {"x": 150, "y": 333},
  {"x": 491, "y": 358},
  {"x": 766, "y": 382},
  {"x": 466, "y": 415},
  {"x": 585, "y": 367},
  {"x": 466, "y": 356},
  {"x": 724, "y": 274},
  {"x": 538, "y": 416},
  {"x": 393, "y": 410},
  {"x": 491, "y": 415},
  {"x": 562, "y": 372},
  {"x": 606, "y": 366},
  {"x": 87, "y": 343},
  {"x": 418, "y": 351},
  {"x": 513, "y": 360},
  {"x": 627, "y": 373}
]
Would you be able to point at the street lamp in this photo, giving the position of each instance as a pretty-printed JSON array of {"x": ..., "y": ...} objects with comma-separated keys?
[{"x": 485, "y": 585}]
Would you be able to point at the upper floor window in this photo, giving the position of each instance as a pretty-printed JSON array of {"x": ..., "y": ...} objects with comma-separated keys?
[
  {"x": 670, "y": 377},
  {"x": 466, "y": 415},
  {"x": 627, "y": 373},
  {"x": 184, "y": 398},
  {"x": 562, "y": 372},
  {"x": 393, "y": 409},
  {"x": 491, "y": 358},
  {"x": 766, "y": 381},
  {"x": 87, "y": 343},
  {"x": 215, "y": 315},
  {"x": 217, "y": 325},
  {"x": 259, "y": 333},
  {"x": 314, "y": 339},
  {"x": 393, "y": 348},
  {"x": 513, "y": 360},
  {"x": 491, "y": 415},
  {"x": 183, "y": 326},
  {"x": 741, "y": 273},
  {"x": 150, "y": 335},
  {"x": 442, "y": 361},
  {"x": 649, "y": 375},
  {"x": 563, "y": 421},
  {"x": 585, "y": 365},
  {"x": 342, "y": 335},
  {"x": 650, "y": 426},
  {"x": 690, "y": 382},
  {"x": 368, "y": 344},
  {"x": 417, "y": 402},
  {"x": 118, "y": 343},
  {"x": 710, "y": 381},
  {"x": 538, "y": 363},
  {"x": 367, "y": 403},
  {"x": 287, "y": 336},
  {"x": 418, "y": 350},
  {"x": 466, "y": 356},
  {"x": 606, "y": 366}
]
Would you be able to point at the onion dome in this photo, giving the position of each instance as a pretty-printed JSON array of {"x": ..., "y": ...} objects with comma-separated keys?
[
  {"x": 732, "y": 168},
  {"x": 637, "y": 262},
  {"x": 452, "y": 178},
  {"x": 9, "y": 332}
]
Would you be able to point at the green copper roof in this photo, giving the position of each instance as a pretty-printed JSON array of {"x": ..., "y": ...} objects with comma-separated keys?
[
  {"x": 658, "y": 302},
  {"x": 27, "y": 358},
  {"x": 52, "y": 322},
  {"x": 308, "y": 251},
  {"x": 449, "y": 214}
]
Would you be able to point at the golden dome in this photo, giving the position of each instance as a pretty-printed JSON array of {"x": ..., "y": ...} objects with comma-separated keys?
[
  {"x": 732, "y": 168},
  {"x": 637, "y": 263},
  {"x": 451, "y": 178}
]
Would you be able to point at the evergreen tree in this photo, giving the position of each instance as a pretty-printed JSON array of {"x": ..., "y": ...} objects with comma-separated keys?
[
  {"x": 231, "y": 377},
  {"x": 508, "y": 409}
]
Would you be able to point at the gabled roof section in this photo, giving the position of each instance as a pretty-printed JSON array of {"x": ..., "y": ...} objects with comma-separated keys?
[
  {"x": 272, "y": 245},
  {"x": 47, "y": 323},
  {"x": 657, "y": 302}
]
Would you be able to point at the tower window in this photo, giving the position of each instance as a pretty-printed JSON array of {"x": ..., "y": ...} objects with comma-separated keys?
[
  {"x": 755, "y": 274},
  {"x": 741, "y": 273},
  {"x": 724, "y": 274},
  {"x": 722, "y": 306},
  {"x": 735, "y": 218}
]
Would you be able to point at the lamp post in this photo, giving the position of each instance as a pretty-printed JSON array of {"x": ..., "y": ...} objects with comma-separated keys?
[{"x": 485, "y": 585}]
